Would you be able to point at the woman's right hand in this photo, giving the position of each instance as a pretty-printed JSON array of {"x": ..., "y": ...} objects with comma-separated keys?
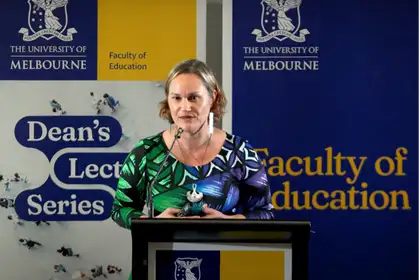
[
  {"x": 168, "y": 213},
  {"x": 171, "y": 213}
]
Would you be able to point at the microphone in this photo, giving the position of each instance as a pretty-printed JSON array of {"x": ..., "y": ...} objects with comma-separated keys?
[{"x": 149, "y": 202}]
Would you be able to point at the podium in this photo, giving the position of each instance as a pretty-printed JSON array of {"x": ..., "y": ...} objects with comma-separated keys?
[{"x": 156, "y": 241}]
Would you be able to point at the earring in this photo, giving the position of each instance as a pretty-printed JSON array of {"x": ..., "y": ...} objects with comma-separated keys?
[{"x": 211, "y": 129}]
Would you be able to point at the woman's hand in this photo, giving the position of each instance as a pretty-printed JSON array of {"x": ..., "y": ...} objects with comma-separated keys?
[
  {"x": 171, "y": 213},
  {"x": 168, "y": 213},
  {"x": 210, "y": 213}
]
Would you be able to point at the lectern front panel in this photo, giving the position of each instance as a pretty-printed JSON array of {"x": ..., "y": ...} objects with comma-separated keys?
[{"x": 219, "y": 261}]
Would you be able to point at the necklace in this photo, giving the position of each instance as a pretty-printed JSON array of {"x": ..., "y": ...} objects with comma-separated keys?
[
  {"x": 204, "y": 155},
  {"x": 205, "y": 151},
  {"x": 194, "y": 204}
]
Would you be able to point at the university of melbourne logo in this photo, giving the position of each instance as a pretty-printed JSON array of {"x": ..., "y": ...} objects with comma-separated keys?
[
  {"x": 280, "y": 20},
  {"x": 281, "y": 41},
  {"x": 187, "y": 269},
  {"x": 47, "y": 19},
  {"x": 47, "y": 42}
]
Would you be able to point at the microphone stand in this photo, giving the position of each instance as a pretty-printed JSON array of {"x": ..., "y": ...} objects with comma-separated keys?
[{"x": 149, "y": 203}]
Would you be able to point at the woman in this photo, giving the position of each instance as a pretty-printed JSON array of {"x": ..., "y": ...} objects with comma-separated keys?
[{"x": 221, "y": 168}]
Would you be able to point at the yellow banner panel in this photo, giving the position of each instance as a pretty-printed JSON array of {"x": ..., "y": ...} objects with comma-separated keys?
[
  {"x": 252, "y": 265},
  {"x": 142, "y": 39}
]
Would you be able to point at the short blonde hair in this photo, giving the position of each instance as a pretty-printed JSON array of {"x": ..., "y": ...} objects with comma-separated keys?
[{"x": 201, "y": 69}]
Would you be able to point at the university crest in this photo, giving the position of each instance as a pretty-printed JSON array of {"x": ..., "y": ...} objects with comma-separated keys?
[
  {"x": 187, "y": 269},
  {"x": 47, "y": 19},
  {"x": 280, "y": 20}
]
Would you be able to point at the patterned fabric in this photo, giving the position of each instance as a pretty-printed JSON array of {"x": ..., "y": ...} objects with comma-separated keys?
[{"x": 234, "y": 182}]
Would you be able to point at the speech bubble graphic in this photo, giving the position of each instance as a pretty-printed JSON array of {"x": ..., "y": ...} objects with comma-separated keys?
[
  {"x": 89, "y": 168},
  {"x": 52, "y": 203},
  {"x": 50, "y": 134}
]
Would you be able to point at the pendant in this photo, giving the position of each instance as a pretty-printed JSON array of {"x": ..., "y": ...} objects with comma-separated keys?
[
  {"x": 195, "y": 205},
  {"x": 194, "y": 196}
]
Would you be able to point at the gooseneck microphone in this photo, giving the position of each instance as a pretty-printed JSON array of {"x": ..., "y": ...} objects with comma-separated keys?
[{"x": 149, "y": 202}]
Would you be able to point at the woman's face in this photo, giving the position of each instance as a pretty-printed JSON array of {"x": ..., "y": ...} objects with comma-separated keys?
[{"x": 189, "y": 102}]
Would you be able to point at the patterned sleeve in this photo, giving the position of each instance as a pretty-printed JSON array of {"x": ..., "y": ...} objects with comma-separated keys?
[
  {"x": 255, "y": 193},
  {"x": 130, "y": 193}
]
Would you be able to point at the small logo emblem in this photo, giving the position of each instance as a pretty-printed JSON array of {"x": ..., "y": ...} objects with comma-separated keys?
[
  {"x": 280, "y": 19},
  {"x": 47, "y": 19},
  {"x": 187, "y": 269}
]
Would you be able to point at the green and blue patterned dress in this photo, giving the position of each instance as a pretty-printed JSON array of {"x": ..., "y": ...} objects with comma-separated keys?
[{"x": 234, "y": 182}]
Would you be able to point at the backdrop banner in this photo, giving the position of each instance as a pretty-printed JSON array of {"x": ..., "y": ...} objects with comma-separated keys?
[
  {"x": 79, "y": 84},
  {"x": 328, "y": 95}
]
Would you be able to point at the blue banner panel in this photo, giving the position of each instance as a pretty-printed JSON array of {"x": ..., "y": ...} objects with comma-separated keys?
[
  {"x": 328, "y": 95},
  {"x": 49, "y": 40}
]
